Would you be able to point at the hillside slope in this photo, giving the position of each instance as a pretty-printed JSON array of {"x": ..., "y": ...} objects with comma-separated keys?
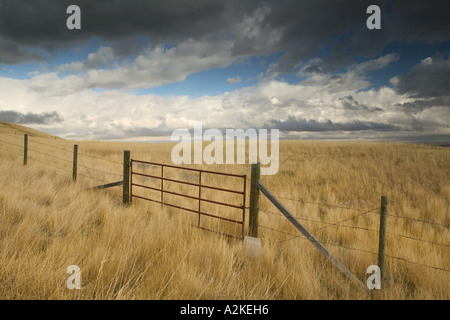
[{"x": 17, "y": 129}]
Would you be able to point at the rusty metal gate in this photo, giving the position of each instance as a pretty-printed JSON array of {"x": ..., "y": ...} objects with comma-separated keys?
[{"x": 193, "y": 179}]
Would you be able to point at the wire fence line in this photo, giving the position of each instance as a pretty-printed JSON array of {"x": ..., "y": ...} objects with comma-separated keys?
[
  {"x": 31, "y": 139},
  {"x": 48, "y": 155},
  {"x": 58, "y": 167},
  {"x": 100, "y": 171},
  {"x": 421, "y": 221},
  {"x": 339, "y": 224},
  {"x": 90, "y": 170},
  {"x": 320, "y": 221},
  {"x": 33, "y": 152},
  {"x": 11, "y": 151},
  {"x": 351, "y": 218},
  {"x": 99, "y": 158},
  {"x": 297, "y": 236},
  {"x": 11, "y": 135},
  {"x": 79, "y": 153},
  {"x": 51, "y": 146},
  {"x": 323, "y": 204},
  {"x": 49, "y": 164},
  {"x": 12, "y": 144},
  {"x": 362, "y": 212}
]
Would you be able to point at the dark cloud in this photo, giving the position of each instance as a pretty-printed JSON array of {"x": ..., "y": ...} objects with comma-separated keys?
[
  {"x": 418, "y": 105},
  {"x": 159, "y": 131},
  {"x": 349, "y": 103},
  {"x": 294, "y": 124},
  {"x": 30, "y": 23},
  {"x": 428, "y": 79},
  {"x": 29, "y": 118},
  {"x": 337, "y": 28},
  {"x": 11, "y": 53}
]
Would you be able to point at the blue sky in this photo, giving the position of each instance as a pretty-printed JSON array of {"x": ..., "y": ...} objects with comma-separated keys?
[
  {"x": 312, "y": 70},
  {"x": 214, "y": 81}
]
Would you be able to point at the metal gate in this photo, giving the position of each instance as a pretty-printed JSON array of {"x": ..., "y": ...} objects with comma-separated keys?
[{"x": 193, "y": 179}]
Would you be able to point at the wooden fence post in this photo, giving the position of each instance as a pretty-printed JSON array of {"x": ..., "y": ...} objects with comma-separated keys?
[
  {"x": 75, "y": 162},
  {"x": 382, "y": 235},
  {"x": 254, "y": 200},
  {"x": 126, "y": 177},
  {"x": 25, "y": 149}
]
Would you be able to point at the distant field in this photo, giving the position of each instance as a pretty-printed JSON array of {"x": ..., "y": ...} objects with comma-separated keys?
[{"x": 147, "y": 251}]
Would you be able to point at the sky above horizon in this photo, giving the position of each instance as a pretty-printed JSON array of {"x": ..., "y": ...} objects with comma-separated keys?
[{"x": 138, "y": 70}]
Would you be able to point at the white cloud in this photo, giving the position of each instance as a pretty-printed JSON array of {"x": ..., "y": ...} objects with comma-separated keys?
[
  {"x": 338, "y": 99},
  {"x": 152, "y": 68},
  {"x": 234, "y": 80},
  {"x": 376, "y": 64}
]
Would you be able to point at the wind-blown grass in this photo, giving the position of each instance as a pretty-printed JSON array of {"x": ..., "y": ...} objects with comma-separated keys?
[{"x": 147, "y": 251}]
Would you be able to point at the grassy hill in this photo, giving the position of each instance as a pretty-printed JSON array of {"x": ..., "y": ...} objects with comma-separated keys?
[
  {"x": 17, "y": 129},
  {"x": 149, "y": 251}
]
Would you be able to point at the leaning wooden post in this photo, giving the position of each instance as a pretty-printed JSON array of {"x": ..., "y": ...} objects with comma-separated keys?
[
  {"x": 308, "y": 235},
  {"x": 75, "y": 162},
  {"x": 382, "y": 236},
  {"x": 254, "y": 200},
  {"x": 25, "y": 149},
  {"x": 126, "y": 177}
]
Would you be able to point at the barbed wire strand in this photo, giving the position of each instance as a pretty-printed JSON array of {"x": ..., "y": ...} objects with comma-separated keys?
[
  {"x": 51, "y": 146},
  {"x": 323, "y": 222},
  {"x": 92, "y": 178},
  {"x": 48, "y": 155},
  {"x": 100, "y": 171},
  {"x": 418, "y": 220},
  {"x": 89, "y": 172},
  {"x": 12, "y": 144},
  {"x": 66, "y": 150},
  {"x": 355, "y": 249},
  {"x": 48, "y": 164},
  {"x": 14, "y": 136},
  {"x": 338, "y": 224},
  {"x": 79, "y": 153},
  {"x": 20, "y": 154},
  {"x": 100, "y": 158},
  {"x": 353, "y": 217},
  {"x": 322, "y": 204}
]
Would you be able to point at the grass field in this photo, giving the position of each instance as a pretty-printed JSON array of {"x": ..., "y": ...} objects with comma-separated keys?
[{"x": 146, "y": 251}]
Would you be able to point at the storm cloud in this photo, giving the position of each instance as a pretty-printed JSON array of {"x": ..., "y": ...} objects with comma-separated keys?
[
  {"x": 311, "y": 125},
  {"x": 299, "y": 29},
  {"x": 29, "y": 118},
  {"x": 317, "y": 67},
  {"x": 25, "y": 24},
  {"x": 428, "y": 79}
]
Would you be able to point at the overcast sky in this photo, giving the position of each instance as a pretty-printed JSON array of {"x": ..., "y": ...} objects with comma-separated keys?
[{"x": 312, "y": 69}]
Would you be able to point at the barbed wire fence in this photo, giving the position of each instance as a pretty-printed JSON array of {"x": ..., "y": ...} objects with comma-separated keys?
[
  {"x": 339, "y": 224},
  {"x": 38, "y": 151},
  {"x": 61, "y": 158}
]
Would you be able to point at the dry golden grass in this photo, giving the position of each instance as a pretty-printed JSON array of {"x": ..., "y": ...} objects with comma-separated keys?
[{"x": 147, "y": 251}]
